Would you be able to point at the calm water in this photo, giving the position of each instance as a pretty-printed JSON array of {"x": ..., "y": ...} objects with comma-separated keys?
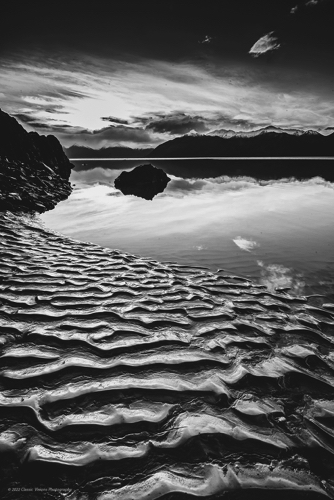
[{"x": 277, "y": 232}]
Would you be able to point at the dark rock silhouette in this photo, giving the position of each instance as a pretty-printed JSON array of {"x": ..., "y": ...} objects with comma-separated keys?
[
  {"x": 34, "y": 169},
  {"x": 145, "y": 181}
]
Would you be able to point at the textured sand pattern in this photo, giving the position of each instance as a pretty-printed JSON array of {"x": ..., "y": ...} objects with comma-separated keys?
[{"x": 125, "y": 378}]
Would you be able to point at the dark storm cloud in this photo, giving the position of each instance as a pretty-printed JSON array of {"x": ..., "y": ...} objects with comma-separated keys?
[
  {"x": 180, "y": 123},
  {"x": 112, "y": 135},
  {"x": 113, "y": 119},
  {"x": 96, "y": 138},
  {"x": 174, "y": 123}
]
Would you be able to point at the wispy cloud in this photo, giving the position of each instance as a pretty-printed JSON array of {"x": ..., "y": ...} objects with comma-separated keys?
[
  {"x": 265, "y": 44},
  {"x": 35, "y": 123},
  {"x": 147, "y": 102},
  {"x": 113, "y": 119},
  {"x": 206, "y": 39},
  {"x": 308, "y": 3}
]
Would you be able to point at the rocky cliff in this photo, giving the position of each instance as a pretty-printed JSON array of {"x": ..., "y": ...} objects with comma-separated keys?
[{"x": 34, "y": 169}]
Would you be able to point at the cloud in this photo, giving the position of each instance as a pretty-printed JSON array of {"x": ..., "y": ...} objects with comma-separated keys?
[
  {"x": 265, "y": 44},
  {"x": 105, "y": 173},
  {"x": 35, "y": 123},
  {"x": 30, "y": 120},
  {"x": 158, "y": 100},
  {"x": 309, "y": 3},
  {"x": 97, "y": 175},
  {"x": 247, "y": 245},
  {"x": 115, "y": 135},
  {"x": 227, "y": 126},
  {"x": 184, "y": 186},
  {"x": 176, "y": 124},
  {"x": 69, "y": 135},
  {"x": 113, "y": 119},
  {"x": 206, "y": 39}
]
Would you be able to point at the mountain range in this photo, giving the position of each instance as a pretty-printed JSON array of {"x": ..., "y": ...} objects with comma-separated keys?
[
  {"x": 111, "y": 152},
  {"x": 265, "y": 142},
  {"x": 227, "y": 134}
]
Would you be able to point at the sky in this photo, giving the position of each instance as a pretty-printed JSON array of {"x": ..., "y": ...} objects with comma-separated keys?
[{"x": 137, "y": 73}]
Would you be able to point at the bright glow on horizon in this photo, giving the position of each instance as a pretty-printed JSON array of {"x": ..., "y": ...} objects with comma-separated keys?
[{"x": 71, "y": 99}]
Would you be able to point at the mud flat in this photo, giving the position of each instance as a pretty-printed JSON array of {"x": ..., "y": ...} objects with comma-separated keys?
[{"x": 122, "y": 377}]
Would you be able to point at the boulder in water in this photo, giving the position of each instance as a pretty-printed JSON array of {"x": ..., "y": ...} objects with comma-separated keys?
[{"x": 145, "y": 181}]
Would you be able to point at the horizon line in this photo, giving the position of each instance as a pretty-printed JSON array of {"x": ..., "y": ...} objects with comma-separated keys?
[{"x": 212, "y": 158}]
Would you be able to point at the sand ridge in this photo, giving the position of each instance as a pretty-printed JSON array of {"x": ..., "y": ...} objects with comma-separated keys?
[{"x": 123, "y": 377}]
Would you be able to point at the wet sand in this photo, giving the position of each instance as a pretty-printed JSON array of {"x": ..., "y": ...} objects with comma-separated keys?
[{"x": 123, "y": 377}]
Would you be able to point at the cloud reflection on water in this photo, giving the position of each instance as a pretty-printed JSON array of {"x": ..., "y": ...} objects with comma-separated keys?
[
  {"x": 229, "y": 223},
  {"x": 179, "y": 186},
  {"x": 277, "y": 276},
  {"x": 247, "y": 245}
]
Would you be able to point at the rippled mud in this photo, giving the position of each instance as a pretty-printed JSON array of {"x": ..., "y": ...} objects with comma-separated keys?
[{"x": 125, "y": 378}]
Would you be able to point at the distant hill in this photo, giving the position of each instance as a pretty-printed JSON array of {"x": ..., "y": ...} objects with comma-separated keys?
[
  {"x": 112, "y": 152},
  {"x": 264, "y": 143}
]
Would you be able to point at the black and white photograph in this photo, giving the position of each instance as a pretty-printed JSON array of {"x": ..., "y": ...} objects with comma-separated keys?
[{"x": 167, "y": 250}]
